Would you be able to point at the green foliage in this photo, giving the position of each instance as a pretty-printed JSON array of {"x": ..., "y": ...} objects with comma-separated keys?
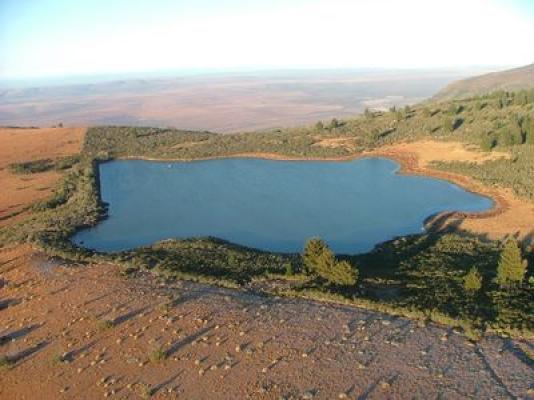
[
  {"x": 473, "y": 281},
  {"x": 511, "y": 135},
  {"x": 289, "y": 269},
  {"x": 512, "y": 268},
  {"x": 419, "y": 275},
  {"x": 105, "y": 324},
  {"x": 528, "y": 129},
  {"x": 319, "y": 126},
  {"x": 516, "y": 172},
  {"x": 6, "y": 362},
  {"x": 37, "y": 166},
  {"x": 319, "y": 260},
  {"x": 158, "y": 354},
  {"x": 342, "y": 273},
  {"x": 488, "y": 142},
  {"x": 334, "y": 124},
  {"x": 455, "y": 108},
  {"x": 313, "y": 251},
  {"x": 32, "y": 167}
]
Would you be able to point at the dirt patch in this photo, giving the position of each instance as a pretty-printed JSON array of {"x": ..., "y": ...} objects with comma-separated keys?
[
  {"x": 187, "y": 145},
  {"x": 20, "y": 145},
  {"x": 428, "y": 151},
  {"x": 212, "y": 343},
  {"x": 511, "y": 215},
  {"x": 335, "y": 143}
]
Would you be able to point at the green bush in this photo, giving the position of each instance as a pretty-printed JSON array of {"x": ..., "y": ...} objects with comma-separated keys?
[
  {"x": 473, "y": 281},
  {"x": 320, "y": 261}
]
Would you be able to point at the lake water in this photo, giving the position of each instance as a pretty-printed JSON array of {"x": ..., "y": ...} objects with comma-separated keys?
[{"x": 269, "y": 205}]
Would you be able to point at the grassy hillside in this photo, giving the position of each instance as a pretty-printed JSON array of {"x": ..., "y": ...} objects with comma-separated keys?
[
  {"x": 510, "y": 80},
  {"x": 421, "y": 276}
]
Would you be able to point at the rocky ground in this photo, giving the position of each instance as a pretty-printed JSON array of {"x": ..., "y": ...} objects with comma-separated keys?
[{"x": 84, "y": 332}]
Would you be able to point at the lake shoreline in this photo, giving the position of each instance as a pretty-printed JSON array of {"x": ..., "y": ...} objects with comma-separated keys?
[{"x": 409, "y": 165}]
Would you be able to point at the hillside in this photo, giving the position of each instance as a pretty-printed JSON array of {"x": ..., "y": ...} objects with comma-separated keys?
[
  {"x": 424, "y": 272},
  {"x": 509, "y": 80}
]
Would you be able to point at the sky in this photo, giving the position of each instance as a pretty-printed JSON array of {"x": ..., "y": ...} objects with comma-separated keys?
[{"x": 54, "y": 38}]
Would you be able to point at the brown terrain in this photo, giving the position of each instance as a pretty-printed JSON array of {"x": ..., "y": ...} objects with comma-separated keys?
[
  {"x": 85, "y": 332},
  {"x": 510, "y": 80},
  {"x": 221, "y": 103},
  {"x": 20, "y": 145},
  {"x": 512, "y": 216}
]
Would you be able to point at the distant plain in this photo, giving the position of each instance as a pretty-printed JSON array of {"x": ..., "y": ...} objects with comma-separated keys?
[{"x": 223, "y": 103}]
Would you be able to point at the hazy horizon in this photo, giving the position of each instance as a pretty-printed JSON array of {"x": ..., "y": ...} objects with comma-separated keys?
[
  {"x": 57, "y": 39},
  {"x": 101, "y": 78}
]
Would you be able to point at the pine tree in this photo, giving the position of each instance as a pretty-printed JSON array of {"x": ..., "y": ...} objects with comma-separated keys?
[
  {"x": 511, "y": 269},
  {"x": 319, "y": 260},
  {"x": 473, "y": 281},
  {"x": 313, "y": 250}
]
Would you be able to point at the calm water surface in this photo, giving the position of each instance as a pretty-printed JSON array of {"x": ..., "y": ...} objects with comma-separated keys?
[{"x": 270, "y": 205}]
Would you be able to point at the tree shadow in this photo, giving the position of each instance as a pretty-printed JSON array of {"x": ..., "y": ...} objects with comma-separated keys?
[
  {"x": 128, "y": 316},
  {"x": 18, "y": 334},
  {"x": 86, "y": 303},
  {"x": 519, "y": 353},
  {"x": 166, "y": 382},
  {"x": 62, "y": 289},
  {"x": 71, "y": 355},
  {"x": 27, "y": 354},
  {"x": 188, "y": 340},
  {"x": 8, "y": 303}
]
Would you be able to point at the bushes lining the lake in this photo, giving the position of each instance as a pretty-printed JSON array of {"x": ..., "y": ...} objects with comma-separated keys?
[{"x": 419, "y": 276}]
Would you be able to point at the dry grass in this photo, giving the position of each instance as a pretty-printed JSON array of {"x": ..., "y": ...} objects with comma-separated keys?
[
  {"x": 518, "y": 215},
  {"x": 21, "y": 145}
]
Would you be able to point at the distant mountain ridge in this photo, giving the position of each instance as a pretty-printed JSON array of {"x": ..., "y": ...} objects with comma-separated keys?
[{"x": 510, "y": 80}]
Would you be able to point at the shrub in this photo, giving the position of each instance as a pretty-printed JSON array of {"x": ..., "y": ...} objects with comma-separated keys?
[
  {"x": 32, "y": 167},
  {"x": 6, "y": 362},
  {"x": 105, "y": 324},
  {"x": 158, "y": 354},
  {"x": 320, "y": 261},
  {"x": 473, "y": 281},
  {"x": 334, "y": 123}
]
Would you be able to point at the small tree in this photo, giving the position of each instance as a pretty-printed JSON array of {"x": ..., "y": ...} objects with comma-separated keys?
[
  {"x": 473, "y": 281},
  {"x": 488, "y": 142},
  {"x": 334, "y": 123},
  {"x": 313, "y": 250},
  {"x": 319, "y": 260},
  {"x": 448, "y": 124},
  {"x": 319, "y": 126},
  {"x": 511, "y": 269},
  {"x": 343, "y": 273}
]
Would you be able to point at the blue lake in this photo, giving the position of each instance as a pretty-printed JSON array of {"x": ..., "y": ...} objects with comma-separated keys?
[{"x": 269, "y": 205}]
